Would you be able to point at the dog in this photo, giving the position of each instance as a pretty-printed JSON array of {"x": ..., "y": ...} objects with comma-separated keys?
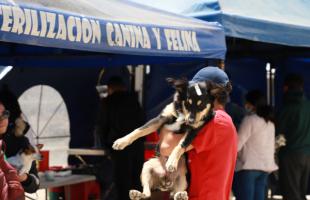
[
  {"x": 22, "y": 162},
  {"x": 192, "y": 107}
]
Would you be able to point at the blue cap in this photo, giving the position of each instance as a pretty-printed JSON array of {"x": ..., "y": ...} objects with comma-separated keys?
[{"x": 211, "y": 73}]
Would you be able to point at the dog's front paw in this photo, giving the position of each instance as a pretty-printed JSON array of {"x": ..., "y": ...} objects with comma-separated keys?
[
  {"x": 121, "y": 143},
  {"x": 172, "y": 164},
  {"x": 180, "y": 196},
  {"x": 136, "y": 195}
]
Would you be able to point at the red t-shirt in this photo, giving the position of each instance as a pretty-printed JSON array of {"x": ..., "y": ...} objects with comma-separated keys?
[{"x": 212, "y": 161}]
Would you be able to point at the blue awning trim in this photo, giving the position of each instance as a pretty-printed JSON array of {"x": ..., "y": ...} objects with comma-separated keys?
[{"x": 277, "y": 21}]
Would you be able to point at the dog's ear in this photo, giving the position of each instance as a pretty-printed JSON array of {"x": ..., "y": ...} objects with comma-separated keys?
[
  {"x": 29, "y": 149},
  {"x": 170, "y": 81},
  {"x": 40, "y": 146},
  {"x": 178, "y": 84},
  {"x": 208, "y": 84}
]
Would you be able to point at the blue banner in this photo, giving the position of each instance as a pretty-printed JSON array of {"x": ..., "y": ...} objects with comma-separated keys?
[{"x": 45, "y": 27}]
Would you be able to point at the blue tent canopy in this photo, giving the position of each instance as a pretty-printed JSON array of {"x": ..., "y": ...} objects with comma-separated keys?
[
  {"x": 117, "y": 27},
  {"x": 277, "y": 21}
]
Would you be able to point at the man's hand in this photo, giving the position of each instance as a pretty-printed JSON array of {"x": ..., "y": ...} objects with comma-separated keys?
[
  {"x": 22, "y": 177},
  {"x": 121, "y": 143}
]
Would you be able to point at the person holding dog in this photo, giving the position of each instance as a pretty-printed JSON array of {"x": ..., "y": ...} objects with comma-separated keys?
[{"x": 212, "y": 154}]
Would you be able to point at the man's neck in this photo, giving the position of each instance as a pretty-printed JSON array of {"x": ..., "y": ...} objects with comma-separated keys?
[{"x": 218, "y": 106}]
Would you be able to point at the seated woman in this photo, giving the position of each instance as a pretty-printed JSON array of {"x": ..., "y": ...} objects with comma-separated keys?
[
  {"x": 10, "y": 187},
  {"x": 15, "y": 139}
]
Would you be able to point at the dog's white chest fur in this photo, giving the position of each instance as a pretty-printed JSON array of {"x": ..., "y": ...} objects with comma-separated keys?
[{"x": 177, "y": 124}]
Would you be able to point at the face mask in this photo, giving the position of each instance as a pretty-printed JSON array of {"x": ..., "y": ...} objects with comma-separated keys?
[{"x": 248, "y": 109}]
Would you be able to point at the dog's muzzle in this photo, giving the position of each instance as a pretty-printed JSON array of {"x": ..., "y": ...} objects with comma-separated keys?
[{"x": 191, "y": 118}]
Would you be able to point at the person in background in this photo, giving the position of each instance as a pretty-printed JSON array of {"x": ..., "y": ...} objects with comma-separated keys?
[
  {"x": 10, "y": 187},
  {"x": 235, "y": 111},
  {"x": 212, "y": 154},
  {"x": 16, "y": 140},
  {"x": 120, "y": 114},
  {"x": 293, "y": 121},
  {"x": 256, "y": 148}
]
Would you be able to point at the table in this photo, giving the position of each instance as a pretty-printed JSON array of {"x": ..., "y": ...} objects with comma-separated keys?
[
  {"x": 87, "y": 152},
  {"x": 65, "y": 181}
]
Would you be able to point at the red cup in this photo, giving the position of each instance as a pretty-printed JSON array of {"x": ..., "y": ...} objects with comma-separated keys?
[{"x": 44, "y": 162}]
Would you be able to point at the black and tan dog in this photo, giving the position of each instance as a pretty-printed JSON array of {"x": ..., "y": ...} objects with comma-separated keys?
[{"x": 190, "y": 110}]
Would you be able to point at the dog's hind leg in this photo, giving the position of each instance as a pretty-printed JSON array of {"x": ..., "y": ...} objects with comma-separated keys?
[
  {"x": 179, "y": 190},
  {"x": 146, "y": 181}
]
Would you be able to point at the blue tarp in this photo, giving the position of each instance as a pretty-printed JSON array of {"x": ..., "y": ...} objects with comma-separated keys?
[
  {"x": 276, "y": 21},
  {"x": 118, "y": 27}
]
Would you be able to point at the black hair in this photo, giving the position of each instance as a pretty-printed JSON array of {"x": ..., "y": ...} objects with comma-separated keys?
[
  {"x": 255, "y": 97},
  {"x": 266, "y": 112},
  {"x": 294, "y": 82},
  {"x": 221, "y": 92},
  {"x": 258, "y": 100},
  {"x": 10, "y": 102},
  {"x": 116, "y": 81}
]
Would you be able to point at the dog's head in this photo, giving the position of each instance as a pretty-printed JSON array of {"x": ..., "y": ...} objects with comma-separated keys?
[
  {"x": 180, "y": 86},
  {"x": 23, "y": 160},
  {"x": 199, "y": 102},
  {"x": 31, "y": 151},
  {"x": 194, "y": 101}
]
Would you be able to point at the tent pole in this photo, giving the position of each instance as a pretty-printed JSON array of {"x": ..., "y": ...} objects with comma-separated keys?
[
  {"x": 268, "y": 82},
  {"x": 273, "y": 74}
]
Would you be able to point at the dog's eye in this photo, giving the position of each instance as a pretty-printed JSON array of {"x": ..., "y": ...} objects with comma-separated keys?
[{"x": 199, "y": 102}]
